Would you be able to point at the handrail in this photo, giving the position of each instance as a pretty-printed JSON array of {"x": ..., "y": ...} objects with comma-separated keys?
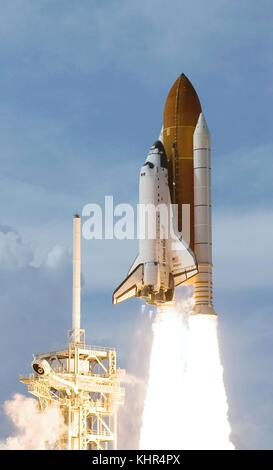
[{"x": 80, "y": 346}]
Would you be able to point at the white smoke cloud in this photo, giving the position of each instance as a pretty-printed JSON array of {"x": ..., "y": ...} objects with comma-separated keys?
[{"x": 34, "y": 429}]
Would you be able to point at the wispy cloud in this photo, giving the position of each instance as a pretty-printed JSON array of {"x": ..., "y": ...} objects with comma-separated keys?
[
  {"x": 242, "y": 178},
  {"x": 242, "y": 254}
]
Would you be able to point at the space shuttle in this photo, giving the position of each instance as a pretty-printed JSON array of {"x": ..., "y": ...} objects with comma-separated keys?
[
  {"x": 176, "y": 175},
  {"x": 162, "y": 263}
]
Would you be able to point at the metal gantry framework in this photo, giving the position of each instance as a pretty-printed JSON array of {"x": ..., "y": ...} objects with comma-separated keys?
[{"x": 85, "y": 383}]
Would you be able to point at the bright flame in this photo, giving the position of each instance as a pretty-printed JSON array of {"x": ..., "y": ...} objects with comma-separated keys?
[
  {"x": 161, "y": 424},
  {"x": 205, "y": 414},
  {"x": 186, "y": 405}
]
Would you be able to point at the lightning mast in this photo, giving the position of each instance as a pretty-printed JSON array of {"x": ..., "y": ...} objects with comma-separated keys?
[
  {"x": 82, "y": 380},
  {"x": 77, "y": 335}
]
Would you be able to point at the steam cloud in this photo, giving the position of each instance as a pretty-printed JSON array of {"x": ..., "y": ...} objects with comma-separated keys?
[{"x": 34, "y": 429}]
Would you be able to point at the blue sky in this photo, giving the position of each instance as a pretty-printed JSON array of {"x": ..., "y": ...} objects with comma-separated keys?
[{"x": 82, "y": 87}]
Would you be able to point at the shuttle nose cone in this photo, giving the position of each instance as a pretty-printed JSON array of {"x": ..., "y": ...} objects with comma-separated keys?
[{"x": 159, "y": 148}]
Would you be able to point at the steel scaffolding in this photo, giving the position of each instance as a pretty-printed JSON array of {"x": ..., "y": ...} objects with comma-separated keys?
[{"x": 85, "y": 383}]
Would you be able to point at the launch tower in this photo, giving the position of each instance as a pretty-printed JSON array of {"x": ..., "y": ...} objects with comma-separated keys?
[{"x": 82, "y": 380}]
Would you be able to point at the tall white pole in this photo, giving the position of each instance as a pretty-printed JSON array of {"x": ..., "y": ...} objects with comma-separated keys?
[
  {"x": 76, "y": 296},
  {"x": 203, "y": 295}
]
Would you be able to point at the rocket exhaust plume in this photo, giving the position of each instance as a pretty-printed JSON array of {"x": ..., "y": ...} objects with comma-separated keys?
[
  {"x": 205, "y": 415},
  {"x": 186, "y": 405},
  {"x": 34, "y": 429},
  {"x": 163, "y": 407}
]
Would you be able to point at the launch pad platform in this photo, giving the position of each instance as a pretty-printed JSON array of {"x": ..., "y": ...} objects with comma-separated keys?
[{"x": 84, "y": 382}]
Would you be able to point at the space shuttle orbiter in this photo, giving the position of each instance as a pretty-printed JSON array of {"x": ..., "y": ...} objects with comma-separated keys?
[{"x": 163, "y": 263}]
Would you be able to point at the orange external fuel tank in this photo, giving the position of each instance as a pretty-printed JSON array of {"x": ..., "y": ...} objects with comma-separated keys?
[{"x": 181, "y": 113}]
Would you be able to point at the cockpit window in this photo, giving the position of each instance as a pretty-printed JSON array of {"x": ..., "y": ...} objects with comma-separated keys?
[{"x": 149, "y": 164}]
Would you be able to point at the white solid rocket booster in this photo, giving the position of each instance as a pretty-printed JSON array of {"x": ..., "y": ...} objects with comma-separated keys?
[
  {"x": 203, "y": 296},
  {"x": 76, "y": 295}
]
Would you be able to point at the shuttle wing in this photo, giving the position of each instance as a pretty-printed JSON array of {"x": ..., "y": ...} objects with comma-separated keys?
[
  {"x": 129, "y": 287},
  {"x": 184, "y": 275},
  {"x": 136, "y": 263},
  {"x": 184, "y": 264}
]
